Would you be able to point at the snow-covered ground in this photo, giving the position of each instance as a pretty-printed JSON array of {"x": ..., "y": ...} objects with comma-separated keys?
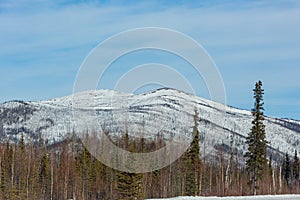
[{"x": 264, "y": 197}]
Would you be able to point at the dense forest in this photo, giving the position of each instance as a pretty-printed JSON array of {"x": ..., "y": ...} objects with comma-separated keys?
[{"x": 68, "y": 171}]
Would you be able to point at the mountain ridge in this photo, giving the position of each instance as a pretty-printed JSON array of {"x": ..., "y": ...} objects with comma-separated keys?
[{"x": 167, "y": 111}]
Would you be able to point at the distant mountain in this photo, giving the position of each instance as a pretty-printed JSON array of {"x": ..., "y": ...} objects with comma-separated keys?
[{"x": 165, "y": 111}]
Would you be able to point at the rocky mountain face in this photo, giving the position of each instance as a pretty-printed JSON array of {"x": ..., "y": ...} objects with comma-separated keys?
[{"x": 167, "y": 112}]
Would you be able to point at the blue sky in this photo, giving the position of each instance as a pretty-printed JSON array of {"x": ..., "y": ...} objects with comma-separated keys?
[{"x": 43, "y": 44}]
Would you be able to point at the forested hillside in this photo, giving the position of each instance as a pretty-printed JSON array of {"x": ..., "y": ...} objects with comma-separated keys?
[{"x": 68, "y": 171}]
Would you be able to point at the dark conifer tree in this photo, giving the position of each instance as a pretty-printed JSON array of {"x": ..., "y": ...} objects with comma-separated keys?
[
  {"x": 296, "y": 167},
  {"x": 287, "y": 169},
  {"x": 193, "y": 162},
  {"x": 22, "y": 144},
  {"x": 270, "y": 168},
  {"x": 129, "y": 184},
  {"x": 6, "y": 169},
  {"x": 256, "y": 160},
  {"x": 44, "y": 174}
]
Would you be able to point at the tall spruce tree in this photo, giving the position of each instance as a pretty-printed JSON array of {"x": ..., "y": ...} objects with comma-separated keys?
[
  {"x": 44, "y": 173},
  {"x": 256, "y": 160},
  {"x": 193, "y": 162}
]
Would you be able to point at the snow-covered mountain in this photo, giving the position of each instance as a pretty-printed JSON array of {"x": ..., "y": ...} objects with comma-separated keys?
[{"x": 168, "y": 112}]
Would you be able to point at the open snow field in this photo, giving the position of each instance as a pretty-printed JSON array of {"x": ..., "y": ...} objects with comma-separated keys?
[{"x": 268, "y": 197}]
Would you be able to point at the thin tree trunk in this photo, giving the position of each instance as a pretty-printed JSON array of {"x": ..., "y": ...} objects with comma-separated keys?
[
  {"x": 12, "y": 168},
  {"x": 210, "y": 178},
  {"x": 51, "y": 186},
  {"x": 227, "y": 177},
  {"x": 66, "y": 182},
  {"x": 28, "y": 175},
  {"x": 200, "y": 182},
  {"x": 273, "y": 180},
  {"x": 280, "y": 181}
]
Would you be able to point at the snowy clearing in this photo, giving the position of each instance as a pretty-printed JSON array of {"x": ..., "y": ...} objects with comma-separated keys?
[{"x": 264, "y": 197}]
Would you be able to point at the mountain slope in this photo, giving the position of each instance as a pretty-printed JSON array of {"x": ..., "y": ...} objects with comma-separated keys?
[{"x": 165, "y": 111}]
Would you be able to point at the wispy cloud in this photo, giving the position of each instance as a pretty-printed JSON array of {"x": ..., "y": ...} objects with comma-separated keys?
[{"x": 247, "y": 40}]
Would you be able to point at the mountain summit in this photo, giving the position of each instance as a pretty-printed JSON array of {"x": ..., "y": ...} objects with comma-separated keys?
[{"x": 168, "y": 112}]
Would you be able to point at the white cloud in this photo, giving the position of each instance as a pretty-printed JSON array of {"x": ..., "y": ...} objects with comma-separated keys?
[{"x": 45, "y": 35}]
